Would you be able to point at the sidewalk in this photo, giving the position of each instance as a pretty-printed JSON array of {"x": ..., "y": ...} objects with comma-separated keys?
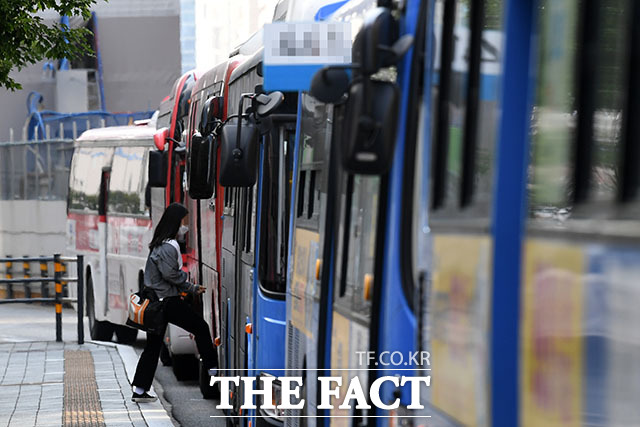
[{"x": 53, "y": 384}]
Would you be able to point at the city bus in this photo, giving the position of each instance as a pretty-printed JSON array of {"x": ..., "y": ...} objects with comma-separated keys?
[
  {"x": 208, "y": 104},
  {"x": 339, "y": 218},
  {"x": 516, "y": 181},
  {"x": 439, "y": 262},
  {"x": 254, "y": 240},
  {"x": 243, "y": 232},
  {"x": 179, "y": 349},
  {"x": 109, "y": 222}
]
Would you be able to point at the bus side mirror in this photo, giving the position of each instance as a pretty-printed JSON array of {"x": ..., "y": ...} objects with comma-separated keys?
[
  {"x": 371, "y": 109},
  {"x": 158, "y": 166},
  {"x": 267, "y": 104},
  {"x": 212, "y": 113},
  {"x": 239, "y": 153},
  {"x": 201, "y": 167},
  {"x": 329, "y": 84},
  {"x": 370, "y": 126},
  {"x": 160, "y": 138}
]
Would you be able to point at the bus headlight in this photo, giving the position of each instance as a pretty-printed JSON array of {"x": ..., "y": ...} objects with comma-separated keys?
[{"x": 276, "y": 400}]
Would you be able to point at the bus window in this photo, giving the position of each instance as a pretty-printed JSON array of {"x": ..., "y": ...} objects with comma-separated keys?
[
  {"x": 356, "y": 251},
  {"x": 84, "y": 184},
  {"x": 554, "y": 119},
  {"x": 302, "y": 191},
  {"x": 577, "y": 115},
  {"x": 448, "y": 89},
  {"x": 488, "y": 107},
  {"x": 313, "y": 137},
  {"x": 609, "y": 98},
  {"x": 250, "y": 206},
  {"x": 128, "y": 181},
  {"x": 464, "y": 135},
  {"x": 276, "y": 193}
]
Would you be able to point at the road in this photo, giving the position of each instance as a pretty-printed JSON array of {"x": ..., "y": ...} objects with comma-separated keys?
[
  {"x": 184, "y": 398},
  {"x": 34, "y": 322}
]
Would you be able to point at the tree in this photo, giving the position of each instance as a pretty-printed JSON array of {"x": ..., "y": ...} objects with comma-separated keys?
[{"x": 26, "y": 39}]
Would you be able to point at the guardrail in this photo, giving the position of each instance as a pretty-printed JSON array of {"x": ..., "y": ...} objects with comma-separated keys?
[{"x": 58, "y": 278}]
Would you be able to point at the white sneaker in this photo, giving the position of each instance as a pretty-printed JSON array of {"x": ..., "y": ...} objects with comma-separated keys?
[{"x": 143, "y": 398}]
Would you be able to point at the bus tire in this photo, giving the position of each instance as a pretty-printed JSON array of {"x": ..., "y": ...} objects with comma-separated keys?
[
  {"x": 184, "y": 366},
  {"x": 204, "y": 380},
  {"x": 99, "y": 331},
  {"x": 125, "y": 334}
]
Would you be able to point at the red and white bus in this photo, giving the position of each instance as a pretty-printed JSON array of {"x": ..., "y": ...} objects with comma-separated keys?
[
  {"x": 109, "y": 221},
  {"x": 180, "y": 117},
  {"x": 208, "y": 104},
  {"x": 179, "y": 349}
]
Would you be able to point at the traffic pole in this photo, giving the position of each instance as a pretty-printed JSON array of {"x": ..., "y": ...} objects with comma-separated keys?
[
  {"x": 80, "y": 265},
  {"x": 44, "y": 272},
  {"x": 57, "y": 268},
  {"x": 9, "y": 275},
  {"x": 65, "y": 287},
  {"x": 26, "y": 268}
]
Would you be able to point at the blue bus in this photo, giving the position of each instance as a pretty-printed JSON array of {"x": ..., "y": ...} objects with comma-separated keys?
[
  {"x": 489, "y": 221},
  {"x": 254, "y": 240},
  {"x": 513, "y": 186},
  {"x": 335, "y": 304}
]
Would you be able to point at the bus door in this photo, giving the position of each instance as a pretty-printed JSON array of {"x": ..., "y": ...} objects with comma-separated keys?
[
  {"x": 446, "y": 240},
  {"x": 308, "y": 223},
  {"x": 128, "y": 226},
  {"x": 227, "y": 275},
  {"x": 267, "y": 355},
  {"x": 246, "y": 222},
  {"x": 579, "y": 343}
]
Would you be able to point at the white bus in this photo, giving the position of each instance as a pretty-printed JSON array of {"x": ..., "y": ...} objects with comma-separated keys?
[{"x": 109, "y": 221}]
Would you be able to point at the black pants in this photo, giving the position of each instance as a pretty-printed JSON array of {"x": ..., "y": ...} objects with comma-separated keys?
[{"x": 180, "y": 314}]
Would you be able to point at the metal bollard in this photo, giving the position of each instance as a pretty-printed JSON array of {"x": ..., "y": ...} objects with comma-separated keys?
[
  {"x": 80, "y": 264},
  {"x": 26, "y": 268},
  {"x": 65, "y": 284},
  {"x": 44, "y": 272},
  {"x": 9, "y": 276},
  {"x": 57, "y": 268}
]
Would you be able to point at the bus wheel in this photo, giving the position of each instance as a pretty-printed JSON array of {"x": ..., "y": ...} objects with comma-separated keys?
[
  {"x": 100, "y": 331},
  {"x": 125, "y": 334},
  {"x": 184, "y": 366},
  {"x": 204, "y": 379}
]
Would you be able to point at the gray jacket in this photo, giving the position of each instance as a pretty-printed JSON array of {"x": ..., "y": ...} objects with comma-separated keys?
[{"x": 162, "y": 274}]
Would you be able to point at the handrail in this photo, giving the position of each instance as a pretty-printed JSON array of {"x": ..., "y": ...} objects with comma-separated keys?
[{"x": 58, "y": 279}]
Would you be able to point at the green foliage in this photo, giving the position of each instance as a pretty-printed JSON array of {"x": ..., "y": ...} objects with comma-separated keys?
[{"x": 25, "y": 39}]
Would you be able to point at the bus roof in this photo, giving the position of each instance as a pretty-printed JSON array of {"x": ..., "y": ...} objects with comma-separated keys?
[{"x": 123, "y": 134}]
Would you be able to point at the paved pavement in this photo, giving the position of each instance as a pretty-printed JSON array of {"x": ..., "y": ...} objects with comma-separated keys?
[
  {"x": 35, "y": 322},
  {"x": 53, "y": 384},
  {"x": 45, "y": 383}
]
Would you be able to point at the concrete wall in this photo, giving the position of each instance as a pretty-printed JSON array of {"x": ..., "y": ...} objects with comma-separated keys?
[
  {"x": 141, "y": 60},
  {"x": 32, "y": 227}
]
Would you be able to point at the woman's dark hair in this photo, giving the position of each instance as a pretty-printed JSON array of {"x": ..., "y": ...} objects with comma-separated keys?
[{"x": 169, "y": 224}]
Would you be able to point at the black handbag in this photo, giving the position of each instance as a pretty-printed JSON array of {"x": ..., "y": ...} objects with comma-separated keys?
[{"x": 146, "y": 312}]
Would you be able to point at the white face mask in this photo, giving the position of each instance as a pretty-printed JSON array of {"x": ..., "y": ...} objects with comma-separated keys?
[{"x": 182, "y": 231}]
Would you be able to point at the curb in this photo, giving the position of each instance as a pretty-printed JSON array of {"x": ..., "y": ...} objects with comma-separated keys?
[{"x": 155, "y": 414}]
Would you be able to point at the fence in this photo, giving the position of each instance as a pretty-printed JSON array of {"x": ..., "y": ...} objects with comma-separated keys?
[
  {"x": 58, "y": 278},
  {"x": 35, "y": 170}
]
